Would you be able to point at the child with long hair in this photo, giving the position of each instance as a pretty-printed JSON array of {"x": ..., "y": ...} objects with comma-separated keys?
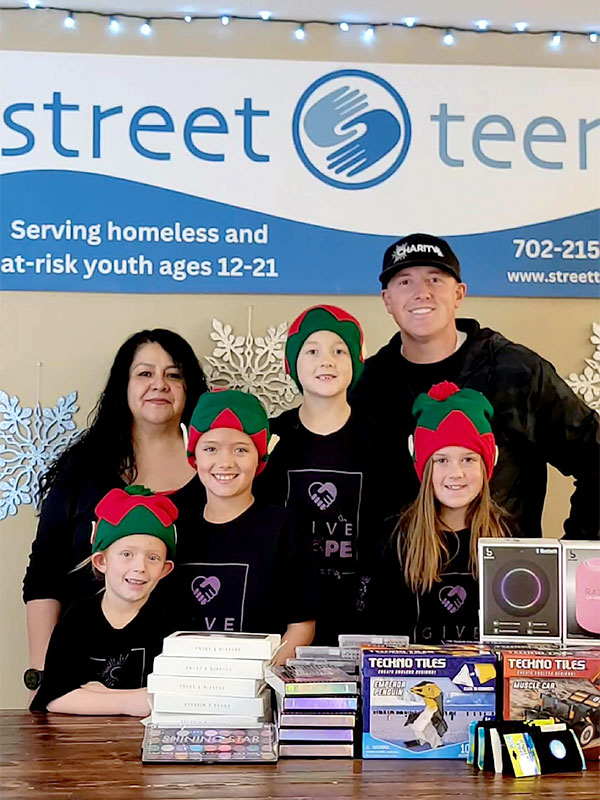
[
  {"x": 435, "y": 539},
  {"x": 102, "y": 649}
]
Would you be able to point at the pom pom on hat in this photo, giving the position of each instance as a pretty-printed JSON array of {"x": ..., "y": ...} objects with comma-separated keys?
[
  {"x": 134, "y": 510},
  {"x": 230, "y": 408},
  {"x": 449, "y": 416},
  {"x": 325, "y": 318}
]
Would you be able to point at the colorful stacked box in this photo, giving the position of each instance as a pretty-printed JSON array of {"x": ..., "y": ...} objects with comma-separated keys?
[
  {"x": 209, "y": 699},
  {"x": 316, "y": 710},
  {"x": 418, "y": 702}
]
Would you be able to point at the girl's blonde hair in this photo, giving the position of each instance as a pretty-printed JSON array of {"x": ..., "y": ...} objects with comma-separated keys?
[{"x": 421, "y": 540}]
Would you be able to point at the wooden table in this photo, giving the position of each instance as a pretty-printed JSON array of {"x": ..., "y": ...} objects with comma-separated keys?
[{"x": 87, "y": 758}]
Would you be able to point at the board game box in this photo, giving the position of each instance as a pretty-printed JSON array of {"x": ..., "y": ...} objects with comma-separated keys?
[
  {"x": 420, "y": 703},
  {"x": 562, "y": 685}
]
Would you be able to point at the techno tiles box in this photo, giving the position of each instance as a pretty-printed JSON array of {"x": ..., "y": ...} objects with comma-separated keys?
[
  {"x": 420, "y": 703},
  {"x": 563, "y": 685}
]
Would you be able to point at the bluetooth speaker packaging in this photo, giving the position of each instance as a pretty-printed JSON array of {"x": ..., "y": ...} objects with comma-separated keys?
[
  {"x": 520, "y": 590},
  {"x": 561, "y": 685},
  {"x": 581, "y": 592},
  {"x": 419, "y": 702}
]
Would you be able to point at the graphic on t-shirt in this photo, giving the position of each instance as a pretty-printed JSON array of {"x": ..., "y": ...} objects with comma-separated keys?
[
  {"x": 322, "y": 494},
  {"x": 204, "y": 589},
  {"x": 329, "y": 502},
  {"x": 216, "y": 594},
  {"x": 452, "y": 597},
  {"x": 125, "y": 670}
]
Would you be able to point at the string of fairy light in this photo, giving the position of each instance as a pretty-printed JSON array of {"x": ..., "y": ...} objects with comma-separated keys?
[{"x": 450, "y": 34}]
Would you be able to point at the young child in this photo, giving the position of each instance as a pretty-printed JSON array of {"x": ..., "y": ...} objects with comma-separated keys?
[
  {"x": 244, "y": 566},
  {"x": 324, "y": 467},
  {"x": 102, "y": 650},
  {"x": 433, "y": 553}
]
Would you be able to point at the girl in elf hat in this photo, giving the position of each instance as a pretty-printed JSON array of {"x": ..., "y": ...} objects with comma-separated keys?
[
  {"x": 324, "y": 467},
  {"x": 242, "y": 565},
  {"x": 101, "y": 651},
  {"x": 435, "y": 539}
]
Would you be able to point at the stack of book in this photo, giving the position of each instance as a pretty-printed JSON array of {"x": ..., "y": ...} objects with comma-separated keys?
[
  {"x": 316, "y": 710},
  {"x": 209, "y": 699},
  {"x": 205, "y": 678}
]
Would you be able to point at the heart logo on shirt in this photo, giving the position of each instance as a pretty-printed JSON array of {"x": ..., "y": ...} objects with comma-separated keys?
[
  {"x": 205, "y": 589},
  {"x": 452, "y": 598},
  {"x": 322, "y": 494}
]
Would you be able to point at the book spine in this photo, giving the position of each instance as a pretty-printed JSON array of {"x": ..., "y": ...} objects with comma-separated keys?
[
  {"x": 320, "y": 688},
  {"x": 295, "y": 720},
  {"x": 228, "y": 687},
  {"x": 317, "y": 750},
  {"x": 205, "y": 648},
  {"x": 174, "y": 720},
  {"x": 198, "y": 704},
  {"x": 209, "y": 667}
]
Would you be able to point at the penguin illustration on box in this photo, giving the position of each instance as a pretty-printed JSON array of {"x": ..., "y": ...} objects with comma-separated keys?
[{"x": 429, "y": 725}]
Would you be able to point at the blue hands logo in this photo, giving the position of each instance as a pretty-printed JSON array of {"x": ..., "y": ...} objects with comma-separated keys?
[{"x": 351, "y": 129}]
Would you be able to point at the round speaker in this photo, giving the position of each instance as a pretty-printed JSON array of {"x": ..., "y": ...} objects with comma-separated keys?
[{"x": 521, "y": 588}]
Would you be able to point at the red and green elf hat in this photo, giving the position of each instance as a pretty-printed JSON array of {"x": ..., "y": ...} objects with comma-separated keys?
[
  {"x": 135, "y": 509},
  {"x": 324, "y": 318},
  {"x": 230, "y": 408},
  {"x": 449, "y": 416}
]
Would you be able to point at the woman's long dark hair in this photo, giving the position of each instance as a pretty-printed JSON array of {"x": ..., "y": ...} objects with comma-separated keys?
[{"x": 105, "y": 449}]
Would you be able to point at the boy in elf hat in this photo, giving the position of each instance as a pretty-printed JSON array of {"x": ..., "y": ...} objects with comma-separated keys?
[
  {"x": 433, "y": 557},
  {"x": 245, "y": 567},
  {"x": 324, "y": 467},
  {"x": 102, "y": 649}
]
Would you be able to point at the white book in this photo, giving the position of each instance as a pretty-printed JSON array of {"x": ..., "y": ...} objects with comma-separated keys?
[
  {"x": 230, "y": 687},
  {"x": 210, "y": 667},
  {"x": 201, "y": 704},
  {"x": 209, "y": 644},
  {"x": 175, "y": 720}
]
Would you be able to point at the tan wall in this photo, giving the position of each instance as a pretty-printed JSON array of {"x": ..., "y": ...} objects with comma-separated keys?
[{"x": 74, "y": 336}]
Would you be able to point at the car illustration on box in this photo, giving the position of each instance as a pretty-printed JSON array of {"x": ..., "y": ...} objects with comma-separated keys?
[{"x": 580, "y": 710}]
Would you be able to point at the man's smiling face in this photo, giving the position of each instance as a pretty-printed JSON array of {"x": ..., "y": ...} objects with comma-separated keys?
[{"x": 423, "y": 301}]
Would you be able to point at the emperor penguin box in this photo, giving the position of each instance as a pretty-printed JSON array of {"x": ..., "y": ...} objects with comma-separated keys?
[
  {"x": 581, "y": 592},
  {"x": 419, "y": 702}
]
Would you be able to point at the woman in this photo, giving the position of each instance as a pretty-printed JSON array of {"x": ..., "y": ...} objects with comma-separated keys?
[{"x": 135, "y": 437}]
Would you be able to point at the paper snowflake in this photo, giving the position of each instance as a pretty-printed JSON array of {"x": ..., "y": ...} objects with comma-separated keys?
[
  {"x": 30, "y": 440},
  {"x": 588, "y": 383},
  {"x": 252, "y": 364}
]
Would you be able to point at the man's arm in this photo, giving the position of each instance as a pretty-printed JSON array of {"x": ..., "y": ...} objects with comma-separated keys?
[{"x": 567, "y": 432}]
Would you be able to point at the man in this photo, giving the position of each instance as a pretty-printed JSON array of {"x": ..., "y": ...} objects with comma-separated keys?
[{"x": 537, "y": 421}]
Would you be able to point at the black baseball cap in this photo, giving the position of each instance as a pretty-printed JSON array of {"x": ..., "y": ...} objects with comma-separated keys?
[{"x": 419, "y": 250}]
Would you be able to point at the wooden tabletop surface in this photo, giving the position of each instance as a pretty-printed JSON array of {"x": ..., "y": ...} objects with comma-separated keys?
[{"x": 88, "y": 758}]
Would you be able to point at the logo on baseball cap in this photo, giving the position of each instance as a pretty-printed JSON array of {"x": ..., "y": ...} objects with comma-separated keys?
[{"x": 419, "y": 250}]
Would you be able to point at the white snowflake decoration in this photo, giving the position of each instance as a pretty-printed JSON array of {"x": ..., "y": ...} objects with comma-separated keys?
[
  {"x": 588, "y": 383},
  {"x": 30, "y": 439},
  {"x": 252, "y": 364}
]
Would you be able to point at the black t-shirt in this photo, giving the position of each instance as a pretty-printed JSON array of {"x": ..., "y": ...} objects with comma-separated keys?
[
  {"x": 341, "y": 486},
  {"x": 421, "y": 377},
  {"x": 85, "y": 647},
  {"x": 255, "y": 573},
  {"x": 64, "y": 531},
  {"x": 448, "y": 612}
]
